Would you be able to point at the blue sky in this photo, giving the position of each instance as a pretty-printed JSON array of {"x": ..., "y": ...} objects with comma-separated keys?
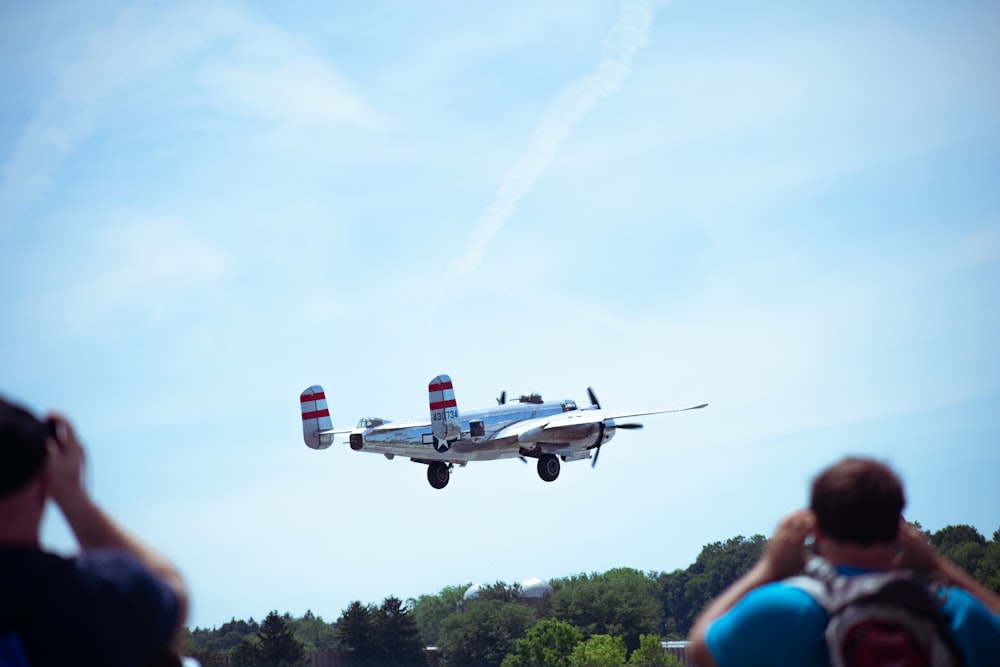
[{"x": 786, "y": 210}]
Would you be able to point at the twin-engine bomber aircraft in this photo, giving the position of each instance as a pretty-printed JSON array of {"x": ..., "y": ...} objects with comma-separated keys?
[{"x": 548, "y": 431}]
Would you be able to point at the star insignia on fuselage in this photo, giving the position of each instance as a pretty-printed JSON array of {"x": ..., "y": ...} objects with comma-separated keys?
[{"x": 441, "y": 445}]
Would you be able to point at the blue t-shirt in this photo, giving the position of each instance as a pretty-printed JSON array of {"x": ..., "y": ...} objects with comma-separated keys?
[
  {"x": 781, "y": 624},
  {"x": 103, "y": 608}
]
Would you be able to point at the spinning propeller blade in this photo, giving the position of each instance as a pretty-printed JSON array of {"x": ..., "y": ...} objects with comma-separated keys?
[
  {"x": 596, "y": 406},
  {"x": 593, "y": 398}
]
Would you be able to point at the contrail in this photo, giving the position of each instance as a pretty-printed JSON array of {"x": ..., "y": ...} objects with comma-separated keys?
[{"x": 628, "y": 35}]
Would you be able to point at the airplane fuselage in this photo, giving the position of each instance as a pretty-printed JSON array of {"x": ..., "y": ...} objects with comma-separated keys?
[{"x": 477, "y": 442}]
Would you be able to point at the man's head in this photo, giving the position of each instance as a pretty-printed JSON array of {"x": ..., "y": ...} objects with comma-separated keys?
[
  {"x": 858, "y": 501},
  {"x": 23, "y": 447}
]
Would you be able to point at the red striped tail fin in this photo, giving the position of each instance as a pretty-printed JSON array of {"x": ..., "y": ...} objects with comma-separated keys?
[
  {"x": 317, "y": 426},
  {"x": 444, "y": 409}
]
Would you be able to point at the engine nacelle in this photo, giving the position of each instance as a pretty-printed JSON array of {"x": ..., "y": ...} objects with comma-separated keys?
[
  {"x": 357, "y": 441},
  {"x": 608, "y": 432}
]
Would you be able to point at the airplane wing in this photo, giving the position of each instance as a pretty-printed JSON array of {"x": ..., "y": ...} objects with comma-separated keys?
[{"x": 549, "y": 428}]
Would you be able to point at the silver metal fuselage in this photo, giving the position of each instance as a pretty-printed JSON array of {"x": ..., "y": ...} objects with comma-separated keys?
[{"x": 478, "y": 441}]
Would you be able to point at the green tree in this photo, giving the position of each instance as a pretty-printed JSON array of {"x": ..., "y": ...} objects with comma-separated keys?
[
  {"x": 684, "y": 593},
  {"x": 966, "y": 546},
  {"x": 988, "y": 571},
  {"x": 429, "y": 611},
  {"x": 967, "y": 556},
  {"x": 210, "y": 647},
  {"x": 277, "y": 646},
  {"x": 950, "y": 537},
  {"x": 962, "y": 544},
  {"x": 397, "y": 635},
  {"x": 356, "y": 627},
  {"x": 673, "y": 594},
  {"x": 246, "y": 653},
  {"x": 207, "y": 657},
  {"x": 621, "y": 602},
  {"x": 500, "y": 591},
  {"x": 314, "y": 633},
  {"x": 549, "y": 643},
  {"x": 651, "y": 654},
  {"x": 599, "y": 651},
  {"x": 484, "y": 634}
]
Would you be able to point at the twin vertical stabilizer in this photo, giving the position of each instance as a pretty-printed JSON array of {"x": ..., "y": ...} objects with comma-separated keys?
[
  {"x": 317, "y": 427},
  {"x": 444, "y": 409}
]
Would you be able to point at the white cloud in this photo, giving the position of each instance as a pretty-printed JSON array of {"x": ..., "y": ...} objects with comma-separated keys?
[
  {"x": 143, "y": 271},
  {"x": 177, "y": 57},
  {"x": 302, "y": 91},
  {"x": 627, "y": 36}
]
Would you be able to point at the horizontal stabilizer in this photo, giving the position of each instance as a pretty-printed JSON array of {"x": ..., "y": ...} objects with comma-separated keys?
[{"x": 397, "y": 426}]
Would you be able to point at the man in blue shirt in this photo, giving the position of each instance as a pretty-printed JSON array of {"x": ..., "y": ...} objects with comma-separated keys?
[
  {"x": 117, "y": 603},
  {"x": 855, "y": 521}
]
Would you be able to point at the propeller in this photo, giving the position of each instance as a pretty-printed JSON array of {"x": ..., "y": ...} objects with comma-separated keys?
[
  {"x": 593, "y": 398},
  {"x": 633, "y": 426},
  {"x": 596, "y": 405}
]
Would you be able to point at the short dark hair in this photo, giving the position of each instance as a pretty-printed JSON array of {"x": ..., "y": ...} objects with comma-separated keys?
[
  {"x": 858, "y": 500},
  {"x": 23, "y": 446}
]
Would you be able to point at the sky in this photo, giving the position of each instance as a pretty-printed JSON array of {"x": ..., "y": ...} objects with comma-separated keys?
[{"x": 787, "y": 210}]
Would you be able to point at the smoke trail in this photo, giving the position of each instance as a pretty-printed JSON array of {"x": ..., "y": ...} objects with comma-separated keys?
[{"x": 628, "y": 35}]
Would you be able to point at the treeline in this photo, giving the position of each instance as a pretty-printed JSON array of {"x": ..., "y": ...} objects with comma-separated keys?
[{"x": 615, "y": 618}]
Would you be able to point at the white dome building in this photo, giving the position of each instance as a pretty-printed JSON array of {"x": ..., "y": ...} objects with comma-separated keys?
[
  {"x": 534, "y": 590},
  {"x": 471, "y": 595}
]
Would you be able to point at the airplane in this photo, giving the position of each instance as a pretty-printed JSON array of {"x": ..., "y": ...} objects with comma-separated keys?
[{"x": 529, "y": 427}]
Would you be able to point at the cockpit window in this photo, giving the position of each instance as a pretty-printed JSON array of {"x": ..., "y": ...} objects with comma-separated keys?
[
  {"x": 369, "y": 422},
  {"x": 569, "y": 406}
]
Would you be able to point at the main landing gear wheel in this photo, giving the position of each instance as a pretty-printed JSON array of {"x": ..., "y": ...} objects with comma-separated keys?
[
  {"x": 548, "y": 467},
  {"x": 438, "y": 474}
]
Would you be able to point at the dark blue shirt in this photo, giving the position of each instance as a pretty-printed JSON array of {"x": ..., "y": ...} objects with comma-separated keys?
[{"x": 102, "y": 608}]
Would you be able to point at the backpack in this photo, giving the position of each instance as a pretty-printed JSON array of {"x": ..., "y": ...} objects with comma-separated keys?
[{"x": 886, "y": 618}]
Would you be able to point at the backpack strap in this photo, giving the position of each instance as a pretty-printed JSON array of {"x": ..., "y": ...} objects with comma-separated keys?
[
  {"x": 819, "y": 581},
  {"x": 817, "y": 590}
]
